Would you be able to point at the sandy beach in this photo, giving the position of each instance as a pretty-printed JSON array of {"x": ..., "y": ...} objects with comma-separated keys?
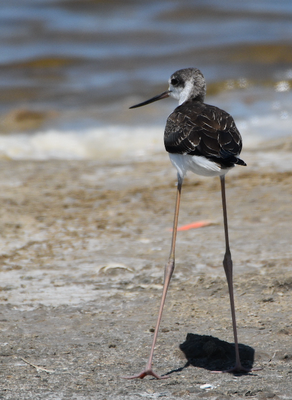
[
  {"x": 87, "y": 198},
  {"x": 83, "y": 247}
]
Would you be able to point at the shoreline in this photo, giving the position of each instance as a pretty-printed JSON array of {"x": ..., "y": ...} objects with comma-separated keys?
[{"x": 83, "y": 247}]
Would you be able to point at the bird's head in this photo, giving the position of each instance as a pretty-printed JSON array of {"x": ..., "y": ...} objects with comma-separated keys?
[{"x": 184, "y": 84}]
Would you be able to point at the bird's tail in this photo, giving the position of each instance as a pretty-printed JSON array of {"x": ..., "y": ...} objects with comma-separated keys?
[{"x": 239, "y": 161}]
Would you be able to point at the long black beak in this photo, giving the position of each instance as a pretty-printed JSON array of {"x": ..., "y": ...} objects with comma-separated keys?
[{"x": 156, "y": 98}]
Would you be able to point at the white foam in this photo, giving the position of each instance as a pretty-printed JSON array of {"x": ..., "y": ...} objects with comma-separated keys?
[
  {"x": 270, "y": 127},
  {"x": 94, "y": 143},
  {"x": 120, "y": 142}
]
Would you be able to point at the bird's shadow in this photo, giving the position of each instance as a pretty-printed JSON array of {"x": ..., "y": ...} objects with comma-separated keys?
[{"x": 213, "y": 354}]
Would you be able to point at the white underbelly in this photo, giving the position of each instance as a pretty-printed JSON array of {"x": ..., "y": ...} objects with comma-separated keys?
[{"x": 198, "y": 165}]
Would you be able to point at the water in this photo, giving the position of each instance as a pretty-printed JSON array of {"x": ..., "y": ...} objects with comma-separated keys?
[{"x": 69, "y": 70}]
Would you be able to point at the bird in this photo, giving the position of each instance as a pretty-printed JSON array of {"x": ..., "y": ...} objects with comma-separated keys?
[{"x": 203, "y": 139}]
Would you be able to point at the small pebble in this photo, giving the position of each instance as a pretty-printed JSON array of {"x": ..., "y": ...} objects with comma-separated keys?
[{"x": 207, "y": 386}]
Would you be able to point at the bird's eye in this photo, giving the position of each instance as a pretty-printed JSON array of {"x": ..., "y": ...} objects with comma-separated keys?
[{"x": 174, "y": 82}]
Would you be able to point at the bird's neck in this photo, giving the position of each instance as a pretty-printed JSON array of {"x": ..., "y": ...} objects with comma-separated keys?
[
  {"x": 188, "y": 93},
  {"x": 198, "y": 97}
]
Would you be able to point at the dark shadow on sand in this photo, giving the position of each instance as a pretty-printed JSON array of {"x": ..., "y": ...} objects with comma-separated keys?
[{"x": 213, "y": 354}]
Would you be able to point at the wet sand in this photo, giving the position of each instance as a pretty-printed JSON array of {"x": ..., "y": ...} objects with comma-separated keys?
[{"x": 83, "y": 246}]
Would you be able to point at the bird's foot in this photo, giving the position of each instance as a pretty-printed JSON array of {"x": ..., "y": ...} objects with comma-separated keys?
[
  {"x": 237, "y": 369},
  {"x": 145, "y": 373}
]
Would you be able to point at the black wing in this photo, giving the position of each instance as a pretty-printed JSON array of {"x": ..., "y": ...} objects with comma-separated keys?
[{"x": 199, "y": 129}]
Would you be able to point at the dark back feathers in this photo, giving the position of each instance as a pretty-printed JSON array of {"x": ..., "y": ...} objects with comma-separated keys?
[{"x": 200, "y": 129}]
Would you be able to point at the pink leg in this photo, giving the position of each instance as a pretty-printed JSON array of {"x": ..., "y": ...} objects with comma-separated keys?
[
  {"x": 169, "y": 268},
  {"x": 228, "y": 268}
]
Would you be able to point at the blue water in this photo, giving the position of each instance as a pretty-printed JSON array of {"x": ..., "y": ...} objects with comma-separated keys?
[{"x": 82, "y": 63}]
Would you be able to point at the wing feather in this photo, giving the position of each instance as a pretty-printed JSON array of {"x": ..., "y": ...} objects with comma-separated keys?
[{"x": 197, "y": 128}]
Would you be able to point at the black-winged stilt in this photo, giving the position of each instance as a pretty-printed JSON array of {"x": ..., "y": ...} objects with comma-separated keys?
[{"x": 205, "y": 140}]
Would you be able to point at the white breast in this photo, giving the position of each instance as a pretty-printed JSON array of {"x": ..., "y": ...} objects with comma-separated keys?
[{"x": 197, "y": 164}]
